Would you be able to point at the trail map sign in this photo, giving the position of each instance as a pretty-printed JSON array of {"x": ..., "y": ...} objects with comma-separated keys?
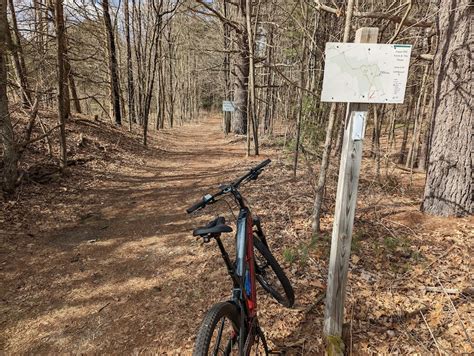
[
  {"x": 365, "y": 72},
  {"x": 228, "y": 106}
]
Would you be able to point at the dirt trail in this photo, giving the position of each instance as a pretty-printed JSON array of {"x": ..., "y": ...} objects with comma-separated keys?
[{"x": 128, "y": 277}]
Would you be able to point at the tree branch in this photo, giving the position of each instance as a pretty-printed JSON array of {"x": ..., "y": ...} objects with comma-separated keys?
[
  {"x": 377, "y": 15},
  {"x": 39, "y": 138},
  {"x": 220, "y": 16}
]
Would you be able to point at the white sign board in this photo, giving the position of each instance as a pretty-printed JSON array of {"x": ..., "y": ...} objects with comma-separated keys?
[
  {"x": 228, "y": 106},
  {"x": 365, "y": 72}
]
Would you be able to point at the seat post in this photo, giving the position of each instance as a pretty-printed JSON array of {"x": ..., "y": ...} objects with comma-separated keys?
[{"x": 225, "y": 256}]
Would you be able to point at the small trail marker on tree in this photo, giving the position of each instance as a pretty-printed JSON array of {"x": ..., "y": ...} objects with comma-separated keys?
[
  {"x": 375, "y": 74},
  {"x": 228, "y": 106}
]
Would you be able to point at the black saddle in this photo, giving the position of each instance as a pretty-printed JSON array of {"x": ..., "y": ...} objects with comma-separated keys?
[{"x": 216, "y": 226}]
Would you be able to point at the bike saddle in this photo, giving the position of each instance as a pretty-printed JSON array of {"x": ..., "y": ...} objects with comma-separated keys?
[{"x": 216, "y": 226}]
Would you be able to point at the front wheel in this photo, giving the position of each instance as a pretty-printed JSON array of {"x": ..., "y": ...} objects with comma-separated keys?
[
  {"x": 271, "y": 276},
  {"x": 219, "y": 331}
]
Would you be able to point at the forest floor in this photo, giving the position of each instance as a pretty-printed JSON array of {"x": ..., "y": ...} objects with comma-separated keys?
[{"x": 102, "y": 260}]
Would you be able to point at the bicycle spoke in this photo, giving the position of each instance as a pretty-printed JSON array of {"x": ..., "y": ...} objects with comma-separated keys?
[
  {"x": 229, "y": 347},
  {"x": 219, "y": 336}
]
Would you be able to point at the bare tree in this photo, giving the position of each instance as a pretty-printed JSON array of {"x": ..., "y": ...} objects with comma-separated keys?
[
  {"x": 113, "y": 66},
  {"x": 16, "y": 47},
  {"x": 130, "y": 84},
  {"x": 62, "y": 111}
]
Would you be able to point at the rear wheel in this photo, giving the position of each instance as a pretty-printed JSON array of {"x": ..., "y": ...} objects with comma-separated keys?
[
  {"x": 219, "y": 331},
  {"x": 271, "y": 276}
]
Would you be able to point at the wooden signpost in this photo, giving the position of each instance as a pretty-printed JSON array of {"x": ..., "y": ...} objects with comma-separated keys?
[{"x": 344, "y": 215}]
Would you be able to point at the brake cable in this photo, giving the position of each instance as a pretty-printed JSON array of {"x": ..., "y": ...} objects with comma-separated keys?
[{"x": 230, "y": 208}]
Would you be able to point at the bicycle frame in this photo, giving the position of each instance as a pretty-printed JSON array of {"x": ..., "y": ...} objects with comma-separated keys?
[{"x": 244, "y": 293}]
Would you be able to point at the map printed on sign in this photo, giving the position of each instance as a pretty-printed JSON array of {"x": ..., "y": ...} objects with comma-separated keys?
[{"x": 365, "y": 73}]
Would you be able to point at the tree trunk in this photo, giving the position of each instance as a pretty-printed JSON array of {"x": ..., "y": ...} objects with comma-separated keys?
[
  {"x": 412, "y": 151},
  {"x": 251, "y": 108},
  {"x": 161, "y": 84},
  {"x": 300, "y": 95},
  {"x": 18, "y": 57},
  {"x": 269, "y": 80},
  {"x": 10, "y": 154},
  {"x": 423, "y": 159},
  {"x": 227, "y": 90},
  {"x": 376, "y": 139},
  {"x": 339, "y": 138},
  {"x": 62, "y": 114},
  {"x": 73, "y": 90},
  {"x": 113, "y": 67},
  {"x": 41, "y": 14},
  {"x": 137, "y": 35},
  {"x": 170, "y": 73},
  {"x": 406, "y": 128},
  {"x": 67, "y": 74},
  {"x": 130, "y": 84},
  {"x": 448, "y": 189},
  {"x": 239, "y": 119}
]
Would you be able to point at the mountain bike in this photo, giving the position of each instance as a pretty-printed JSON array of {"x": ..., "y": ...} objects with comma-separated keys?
[{"x": 232, "y": 327}]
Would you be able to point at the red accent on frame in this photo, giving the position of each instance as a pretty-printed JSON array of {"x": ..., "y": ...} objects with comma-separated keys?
[{"x": 252, "y": 300}]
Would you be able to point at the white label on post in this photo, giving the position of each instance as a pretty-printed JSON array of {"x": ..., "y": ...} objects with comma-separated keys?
[{"x": 358, "y": 125}]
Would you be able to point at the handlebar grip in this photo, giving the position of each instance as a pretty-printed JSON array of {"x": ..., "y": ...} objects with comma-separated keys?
[
  {"x": 261, "y": 165},
  {"x": 196, "y": 206}
]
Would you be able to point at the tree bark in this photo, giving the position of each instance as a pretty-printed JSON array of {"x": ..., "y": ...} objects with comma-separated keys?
[
  {"x": 130, "y": 84},
  {"x": 448, "y": 189},
  {"x": 113, "y": 67},
  {"x": 269, "y": 109},
  {"x": 299, "y": 118},
  {"x": 18, "y": 57},
  {"x": 413, "y": 150},
  {"x": 423, "y": 159},
  {"x": 62, "y": 113},
  {"x": 67, "y": 74},
  {"x": 251, "y": 107},
  {"x": 406, "y": 128},
  {"x": 241, "y": 67},
  {"x": 171, "y": 74},
  {"x": 227, "y": 90},
  {"x": 73, "y": 90},
  {"x": 10, "y": 153}
]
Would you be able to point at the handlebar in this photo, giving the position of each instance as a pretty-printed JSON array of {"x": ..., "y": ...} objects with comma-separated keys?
[
  {"x": 196, "y": 206},
  {"x": 252, "y": 174},
  {"x": 209, "y": 198},
  {"x": 262, "y": 165},
  {"x": 201, "y": 204}
]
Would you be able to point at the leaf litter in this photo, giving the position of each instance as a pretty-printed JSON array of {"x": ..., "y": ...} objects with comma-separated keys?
[{"x": 102, "y": 260}]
